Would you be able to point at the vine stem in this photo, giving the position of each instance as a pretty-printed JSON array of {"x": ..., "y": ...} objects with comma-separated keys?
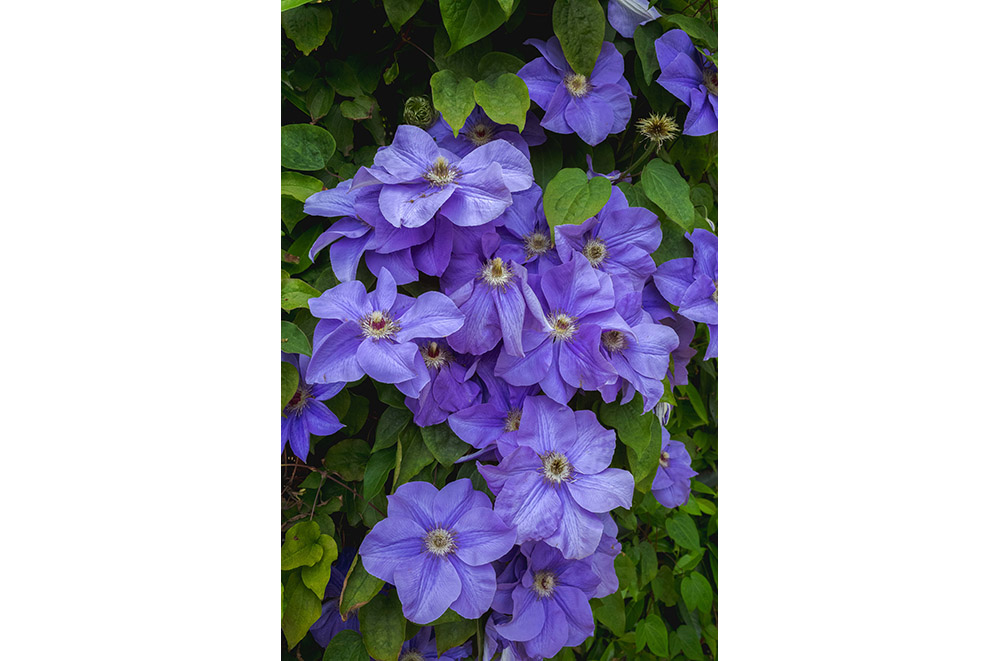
[{"x": 649, "y": 152}]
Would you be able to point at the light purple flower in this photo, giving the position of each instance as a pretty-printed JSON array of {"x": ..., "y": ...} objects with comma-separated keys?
[
  {"x": 692, "y": 284},
  {"x": 304, "y": 415},
  {"x": 603, "y": 560},
  {"x": 449, "y": 388},
  {"x": 657, "y": 307},
  {"x": 591, "y": 104},
  {"x": 418, "y": 179},
  {"x": 554, "y": 486},
  {"x": 436, "y": 548},
  {"x": 479, "y": 129},
  {"x": 524, "y": 233},
  {"x": 626, "y": 15},
  {"x": 692, "y": 78},
  {"x": 672, "y": 484},
  {"x": 373, "y": 333},
  {"x": 614, "y": 176},
  {"x": 423, "y": 647}
]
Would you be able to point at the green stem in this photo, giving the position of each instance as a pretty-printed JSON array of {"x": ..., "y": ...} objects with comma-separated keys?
[{"x": 649, "y": 152}]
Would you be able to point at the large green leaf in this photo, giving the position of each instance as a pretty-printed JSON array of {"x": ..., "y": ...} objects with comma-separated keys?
[
  {"x": 645, "y": 38},
  {"x": 299, "y": 186},
  {"x": 682, "y": 530},
  {"x": 292, "y": 4},
  {"x": 383, "y": 626},
  {"x": 453, "y": 634},
  {"x": 571, "y": 199},
  {"x": 444, "y": 444},
  {"x": 307, "y": 26},
  {"x": 697, "y": 592},
  {"x": 414, "y": 455},
  {"x": 579, "y": 25},
  {"x": 610, "y": 611},
  {"x": 696, "y": 29},
  {"x": 306, "y": 147},
  {"x": 348, "y": 459},
  {"x": 690, "y": 642},
  {"x": 293, "y": 340},
  {"x": 656, "y": 636},
  {"x": 377, "y": 471},
  {"x": 302, "y": 609},
  {"x": 346, "y": 646},
  {"x": 400, "y": 11},
  {"x": 296, "y": 294},
  {"x": 468, "y": 21},
  {"x": 494, "y": 64},
  {"x": 390, "y": 424},
  {"x": 289, "y": 382},
  {"x": 301, "y": 547},
  {"x": 664, "y": 185},
  {"x": 454, "y": 96},
  {"x": 359, "y": 588},
  {"x": 504, "y": 99},
  {"x": 317, "y": 576},
  {"x": 546, "y": 161},
  {"x": 291, "y": 211}
]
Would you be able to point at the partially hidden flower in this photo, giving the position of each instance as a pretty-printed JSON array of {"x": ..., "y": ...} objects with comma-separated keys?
[
  {"x": 672, "y": 484},
  {"x": 591, "y": 104},
  {"x": 691, "y": 77},
  {"x": 423, "y": 647},
  {"x": 692, "y": 284},
  {"x": 479, "y": 129},
  {"x": 449, "y": 387},
  {"x": 657, "y": 307},
  {"x": 330, "y": 623},
  {"x": 304, "y": 414},
  {"x": 614, "y": 176},
  {"x": 436, "y": 548},
  {"x": 525, "y": 236},
  {"x": 626, "y": 15}
]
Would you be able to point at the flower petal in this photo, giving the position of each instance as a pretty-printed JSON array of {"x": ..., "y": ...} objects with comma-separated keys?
[
  {"x": 414, "y": 500},
  {"x": 348, "y": 301},
  {"x": 387, "y": 362},
  {"x": 592, "y": 446},
  {"x": 529, "y": 617},
  {"x": 432, "y": 315},
  {"x": 578, "y": 531},
  {"x": 603, "y": 492},
  {"x": 412, "y": 205},
  {"x": 427, "y": 587},
  {"x": 482, "y": 536},
  {"x": 391, "y": 544},
  {"x": 529, "y": 504},
  {"x": 410, "y": 154},
  {"x": 334, "y": 357},
  {"x": 479, "y": 586},
  {"x": 591, "y": 118}
]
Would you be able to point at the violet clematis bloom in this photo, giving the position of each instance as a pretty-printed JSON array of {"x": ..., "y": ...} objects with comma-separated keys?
[
  {"x": 550, "y": 603},
  {"x": 373, "y": 333},
  {"x": 626, "y": 15},
  {"x": 577, "y": 304},
  {"x": 304, "y": 415},
  {"x": 603, "y": 560},
  {"x": 423, "y": 647},
  {"x": 692, "y": 78},
  {"x": 449, "y": 387},
  {"x": 479, "y": 129},
  {"x": 614, "y": 176},
  {"x": 658, "y": 308},
  {"x": 330, "y": 623},
  {"x": 618, "y": 240},
  {"x": 436, "y": 548},
  {"x": 554, "y": 486},
  {"x": 525, "y": 236},
  {"x": 692, "y": 284},
  {"x": 591, "y": 105},
  {"x": 672, "y": 484},
  {"x": 416, "y": 179}
]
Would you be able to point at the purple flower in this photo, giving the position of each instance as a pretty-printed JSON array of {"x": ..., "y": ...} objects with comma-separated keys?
[
  {"x": 436, "y": 548},
  {"x": 592, "y": 105},
  {"x": 618, "y": 240},
  {"x": 417, "y": 179},
  {"x": 692, "y": 78},
  {"x": 577, "y": 303},
  {"x": 672, "y": 484},
  {"x": 330, "y": 623},
  {"x": 524, "y": 233},
  {"x": 550, "y": 603},
  {"x": 423, "y": 647},
  {"x": 374, "y": 333},
  {"x": 657, "y": 306},
  {"x": 614, "y": 176},
  {"x": 479, "y": 129},
  {"x": 692, "y": 284},
  {"x": 603, "y": 560},
  {"x": 554, "y": 486},
  {"x": 448, "y": 388},
  {"x": 304, "y": 415},
  {"x": 626, "y": 15}
]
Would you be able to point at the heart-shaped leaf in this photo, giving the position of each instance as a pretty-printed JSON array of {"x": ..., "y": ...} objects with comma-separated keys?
[
  {"x": 571, "y": 199},
  {"x": 454, "y": 96},
  {"x": 504, "y": 99}
]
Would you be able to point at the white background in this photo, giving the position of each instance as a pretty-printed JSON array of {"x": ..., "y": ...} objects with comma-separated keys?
[{"x": 859, "y": 353}]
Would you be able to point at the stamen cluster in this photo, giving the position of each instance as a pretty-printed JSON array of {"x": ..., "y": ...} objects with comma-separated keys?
[
  {"x": 441, "y": 173},
  {"x": 440, "y": 542},
  {"x": 378, "y": 325}
]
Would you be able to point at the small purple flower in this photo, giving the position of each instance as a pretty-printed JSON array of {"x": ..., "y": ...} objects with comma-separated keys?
[
  {"x": 417, "y": 179},
  {"x": 618, "y": 240},
  {"x": 555, "y": 485},
  {"x": 692, "y": 78},
  {"x": 592, "y": 105},
  {"x": 304, "y": 415},
  {"x": 479, "y": 129},
  {"x": 692, "y": 284},
  {"x": 672, "y": 484},
  {"x": 436, "y": 548},
  {"x": 550, "y": 603},
  {"x": 448, "y": 389},
  {"x": 626, "y": 15},
  {"x": 423, "y": 647},
  {"x": 524, "y": 233},
  {"x": 658, "y": 308},
  {"x": 330, "y": 623},
  {"x": 376, "y": 332},
  {"x": 614, "y": 176}
]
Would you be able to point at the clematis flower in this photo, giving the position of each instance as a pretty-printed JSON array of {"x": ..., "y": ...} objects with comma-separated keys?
[
  {"x": 618, "y": 240},
  {"x": 373, "y": 333},
  {"x": 592, "y": 105},
  {"x": 692, "y": 78},
  {"x": 479, "y": 129},
  {"x": 550, "y": 603},
  {"x": 423, "y": 647},
  {"x": 658, "y": 308},
  {"x": 603, "y": 560},
  {"x": 330, "y": 623},
  {"x": 692, "y": 284},
  {"x": 436, "y": 548},
  {"x": 304, "y": 415},
  {"x": 554, "y": 486},
  {"x": 524, "y": 233},
  {"x": 417, "y": 179},
  {"x": 614, "y": 176},
  {"x": 577, "y": 304},
  {"x": 626, "y": 15},
  {"x": 449, "y": 387},
  {"x": 672, "y": 484}
]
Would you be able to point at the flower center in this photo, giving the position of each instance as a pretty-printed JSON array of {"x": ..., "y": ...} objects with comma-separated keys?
[
  {"x": 513, "y": 422},
  {"x": 614, "y": 341},
  {"x": 664, "y": 459},
  {"x": 441, "y": 173},
  {"x": 412, "y": 655},
  {"x": 595, "y": 251},
  {"x": 440, "y": 542},
  {"x": 563, "y": 326},
  {"x": 299, "y": 399},
  {"x": 495, "y": 273},
  {"x": 378, "y": 325},
  {"x": 480, "y": 134},
  {"x": 556, "y": 467},
  {"x": 711, "y": 79},
  {"x": 715, "y": 294},
  {"x": 544, "y": 583},
  {"x": 536, "y": 244},
  {"x": 435, "y": 355},
  {"x": 577, "y": 84}
]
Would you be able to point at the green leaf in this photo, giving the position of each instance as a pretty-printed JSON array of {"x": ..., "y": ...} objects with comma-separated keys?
[
  {"x": 377, "y": 471},
  {"x": 359, "y": 588},
  {"x": 299, "y": 186},
  {"x": 496, "y": 63},
  {"x": 357, "y": 414},
  {"x": 647, "y": 563},
  {"x": 296, "y": 259},
  {"x": 663, "y": 587},
  {"x": 390, "y": 395},
  {"x": 302, "y": 609},
  {"x": 415, "y": 454},
  {"x": 444, "y": 444},
  {"x": 317, "y": 576},
  {"x": 689, "y": 561},
  {"x": 694, "y": 397},
  {"x": 682, "y": 530},
  {"x": 690, "y": 642},
  {"x": 359, "y": 108},
  {"x": 390, "y": 424},
  {"x": 507, "y": 6},
  {"x": 296, "y": 294},
  {"x": 291, "y": 211},
  {"x": 306, "y": 147},
  {"x": 454, "y": 96},
  {"x": 696, "y": 29},
  {"x": 504, "y": 99},
  {"x": 453, "y": 634},
  {"x": 579, "y": 25},
  {"x": 289, "y": 382},
  {"x": 307, "y": 26},
  {"x": 292, "y": 4},
  {"x": 610, "y": 611},
  {"x": 546, "y": 161},
  {"x": 391, "y": 73},
  {"x": 663, "y": 184},
  {"x": 468, "y": 21},
  {"x": 294, "y": 340},
  {"x": 697, "y": 592},
  {"x": 319, "y": 99},
  {"x": 383, "y": 626},
  {"x": 656, "y": 636},
  {"x": 571, "y": 199},
  {"x": 300, "y": 547},
  {"x": 348, "y": 459},
  {"x": 346, "y": 646},
  {"x": 625, "y": 570},
  {"x": 400, "y": 11},
  {"x": 645, "y": 37}
]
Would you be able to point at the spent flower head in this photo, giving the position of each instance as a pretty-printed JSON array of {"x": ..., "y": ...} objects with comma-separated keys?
[{"x": 658, "y": 129}]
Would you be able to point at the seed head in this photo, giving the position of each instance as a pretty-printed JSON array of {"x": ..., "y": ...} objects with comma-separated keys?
[
  {"x": 658, "y": 129},
  {"x": 419, "y": 111}
]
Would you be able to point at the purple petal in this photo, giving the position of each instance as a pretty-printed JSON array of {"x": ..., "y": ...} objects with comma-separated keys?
[
  {"x": 399, "y": 264},
  {"x": 481, "y": 197},
  {"x": 703, "y": 118},
  {"x": 553, "y": 635},
  {"x": 298, "y": 436},
  {"x": 387, "y": 362},
  {"x": 409, "y": 155},
  {"x": 412, "y": 205},
  {"x": 427, "y": 587},
  {"x": 672, "y": 278},
  {"x": 697, "y": 303},
  {"x": 578, "y": 532},
  {"x": 456, "y": 498},
  {"x": 516, "y": 169},
  {"x": 510, "y": 309},
  {"x": 680, "y": 76},
  {"x": 348, "y": 301},
  {"x": 581, "y": 364},
  {"x": 593, "y": 445},
  {"x": 385, "y": 291},
  {"x": 529, "y": 617},
  {"x": 344, "y": 257},
  {"x": 617, "y": 98},
  {"x": 479, "y": 586},
  {"x": 535, "y": 364},
  {"x": 547, "y": 426},
  {"x": 432, "y": 315},
  {"x": 551, "y": 50},
  {"x": 391, "y": 545},
  {"x": 579, "y": 615},
  {"x": 603, "y": 492},
  {"x": 529, "y": 504},
  {"x": 414, "y": 500},
  {"x": 555, "y": 112},
  {"x": 542, "y": 80},
  {"x": 321, "y": 420},
  {"x": 482, "y": 536},
  {"x": 332, "y": 203},
  {"x": 591, "y": 118},
  {"x": 610, "y": 66},
  {"x": 335, "y": 356}
]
